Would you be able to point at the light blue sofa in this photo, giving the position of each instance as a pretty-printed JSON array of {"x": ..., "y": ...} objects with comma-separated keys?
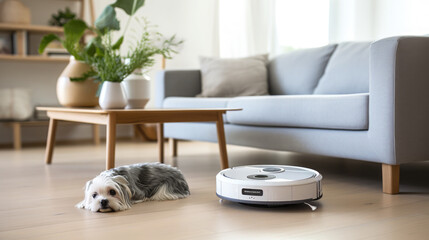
[{"x": 356, "y": 100}]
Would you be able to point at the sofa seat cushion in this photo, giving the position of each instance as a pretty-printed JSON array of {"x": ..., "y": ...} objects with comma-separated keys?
[
  {"x": 192, "y": 102},
  {"x": 339, "y": 111}
]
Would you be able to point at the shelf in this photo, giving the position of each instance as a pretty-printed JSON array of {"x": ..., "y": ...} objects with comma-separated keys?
[
  {"x": 34, "y": 58},
  {"x": 30, "y": 28}
]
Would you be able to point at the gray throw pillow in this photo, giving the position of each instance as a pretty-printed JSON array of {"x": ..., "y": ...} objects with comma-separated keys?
[
  {"x": 298, "y": 72},
  {"x": 232, "y": 77},
  {"x": 347, "y": 71}
]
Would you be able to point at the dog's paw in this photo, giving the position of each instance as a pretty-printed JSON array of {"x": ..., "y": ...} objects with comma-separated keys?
[{"x": 80, "y": 205}]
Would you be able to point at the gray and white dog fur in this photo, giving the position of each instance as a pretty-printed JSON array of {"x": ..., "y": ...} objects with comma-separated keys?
[{"x": 118, "y": 188}]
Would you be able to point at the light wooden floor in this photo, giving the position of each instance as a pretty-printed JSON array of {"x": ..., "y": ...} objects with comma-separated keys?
[{"x": 37, "y": 201}]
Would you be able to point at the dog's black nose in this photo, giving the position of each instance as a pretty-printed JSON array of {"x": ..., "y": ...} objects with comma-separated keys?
[{"x": 104, "y": 203}]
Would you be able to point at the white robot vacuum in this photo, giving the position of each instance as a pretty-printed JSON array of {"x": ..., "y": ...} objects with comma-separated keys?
[{"x": 269, "y": 184}]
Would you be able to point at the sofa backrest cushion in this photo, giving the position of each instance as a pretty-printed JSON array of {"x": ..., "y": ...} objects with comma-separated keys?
[
  {"x": 298, "y": 72},
  {"x": 232, "y": 77},
  {"x": 347, "y": 70}
]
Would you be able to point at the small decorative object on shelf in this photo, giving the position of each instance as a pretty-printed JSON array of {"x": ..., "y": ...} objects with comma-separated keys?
[
  {"x": 62, "y": 17},
  {"x": 104, "y": 55},
  {"x": 14, "y": 11}
]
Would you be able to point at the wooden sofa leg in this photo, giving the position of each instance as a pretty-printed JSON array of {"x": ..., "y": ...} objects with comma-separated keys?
[
  {"x": 173, "y": 146},
  {"x": 390, "y": 178}
]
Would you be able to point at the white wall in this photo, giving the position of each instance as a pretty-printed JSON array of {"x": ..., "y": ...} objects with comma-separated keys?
[
  {"x": 351, "y": 20},
  {"x": 401, "y": 17},
  {"x": 191, "y": 20},
  {"x": 245, "y": 27},
  {"x": 362, "y": 20},
  {"x": 194, "y": 21}
]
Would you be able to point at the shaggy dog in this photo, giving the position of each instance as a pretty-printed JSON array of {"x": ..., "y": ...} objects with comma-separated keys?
[{"x": 118, "y": 188}]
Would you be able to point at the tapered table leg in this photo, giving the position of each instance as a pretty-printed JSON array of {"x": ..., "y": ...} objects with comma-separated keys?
[
  {"x": 96, "y": 134},
  {"x": 51, "y": 140},
  {"x": 110, "y": 141},
  {"x": 222, "y": 143},
  {"x": 17, "y": 144},
  {"x": 161, "y": 142},
  {"x": 172, "y": 143}
]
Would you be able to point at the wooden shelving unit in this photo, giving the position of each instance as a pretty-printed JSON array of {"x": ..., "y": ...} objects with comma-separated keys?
[
  {"x": 30, "y": 28},
  {"x": 21, "y": 31},
  {"x": 33, "y": 58}
]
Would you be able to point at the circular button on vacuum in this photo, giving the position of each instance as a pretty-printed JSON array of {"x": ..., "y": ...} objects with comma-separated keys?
[
  {"x": 261, "y": 177},
  {"x": 273, "y": 169}
]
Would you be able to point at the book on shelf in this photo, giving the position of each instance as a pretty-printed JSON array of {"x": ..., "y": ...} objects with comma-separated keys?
[
  {"x": 6, "y": 43},
  {"x": 19, "y": 42},
  {"x": 56, "y": 52}
]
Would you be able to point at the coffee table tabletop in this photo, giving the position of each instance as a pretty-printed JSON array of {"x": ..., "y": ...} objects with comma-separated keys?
[{"x": 112, "y": 117}]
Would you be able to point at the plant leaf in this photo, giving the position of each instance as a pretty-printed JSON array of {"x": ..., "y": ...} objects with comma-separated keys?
[
  {"x": 129, "y": 6},
  {"x": 93, "y": 45},
  {"x": 90, "y": 47},
  {"x": 89, "y": 74},
  {"x": 46, "y": 40},
  {"x": 107, "y": 20},
  {"x": 118, "y": 43},
  {"x": 74, "y": 30}
]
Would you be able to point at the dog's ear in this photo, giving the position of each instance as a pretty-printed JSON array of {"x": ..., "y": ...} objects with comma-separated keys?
[
  {"x": 87, "y": 185},
  {"x": 85, "y": 201},
  {"x": 124, "y": 190},
  {"x": 123, "y": 183},
  {"x": 120, "y": 180}
]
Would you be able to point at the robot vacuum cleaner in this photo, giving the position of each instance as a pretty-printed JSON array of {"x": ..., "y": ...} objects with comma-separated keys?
[{"x": 269, "y": 184}]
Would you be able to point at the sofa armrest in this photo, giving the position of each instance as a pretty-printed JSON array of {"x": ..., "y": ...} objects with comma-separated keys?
[
  {"x": 399, "y": 99},
  {"x": 178, "y": 83}
]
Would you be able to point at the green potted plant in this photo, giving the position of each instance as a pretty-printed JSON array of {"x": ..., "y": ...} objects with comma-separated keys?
[
  {"x": 103, "y": 54},
  {"x": 62, "y": 17},
  {"x": 72, "y": 89},
  {"x": 110, "y": 66}
]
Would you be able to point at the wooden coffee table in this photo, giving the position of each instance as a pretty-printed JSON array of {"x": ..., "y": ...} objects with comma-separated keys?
[{"x": 112, "y": 117}]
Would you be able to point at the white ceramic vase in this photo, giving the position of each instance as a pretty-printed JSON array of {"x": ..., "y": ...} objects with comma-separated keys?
[
  {"x": 112, "y": 96},
  {"x": 137, "y": 90}
]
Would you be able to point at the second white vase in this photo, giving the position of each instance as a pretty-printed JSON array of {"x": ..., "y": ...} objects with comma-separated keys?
[
  {"x": 137, "y": 89},
  {"x": 112, "y": 96}
]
